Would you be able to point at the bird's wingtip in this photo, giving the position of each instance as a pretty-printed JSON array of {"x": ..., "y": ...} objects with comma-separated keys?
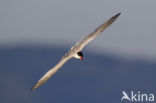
[
  {"x": 31, "y": 89},
  {"x": 117, "y": 14}
]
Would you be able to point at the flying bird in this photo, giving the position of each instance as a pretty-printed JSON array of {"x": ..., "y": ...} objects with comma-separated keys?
[{"x": 75, "y": 51}]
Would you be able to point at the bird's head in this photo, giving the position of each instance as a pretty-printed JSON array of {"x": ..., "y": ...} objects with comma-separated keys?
[{"x": 79, "y": 55}]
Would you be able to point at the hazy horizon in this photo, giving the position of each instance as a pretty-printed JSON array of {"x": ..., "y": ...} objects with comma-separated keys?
[{"x": 56, "y": 22}]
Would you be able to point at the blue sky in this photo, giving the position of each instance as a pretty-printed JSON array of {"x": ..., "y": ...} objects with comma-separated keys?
[{"x": 57, "y": 22}]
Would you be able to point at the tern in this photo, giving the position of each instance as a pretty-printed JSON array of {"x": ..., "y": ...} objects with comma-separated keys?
[{"x": 75, "y": 51}]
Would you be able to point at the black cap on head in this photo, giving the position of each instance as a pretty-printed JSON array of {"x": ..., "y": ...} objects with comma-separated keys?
[{"x": 80, "y": 54}]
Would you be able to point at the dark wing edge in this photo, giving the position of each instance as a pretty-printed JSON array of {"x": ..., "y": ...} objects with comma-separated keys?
[
  {"x": 96, "y": 32},
  {"x": 50, "y": 73}
]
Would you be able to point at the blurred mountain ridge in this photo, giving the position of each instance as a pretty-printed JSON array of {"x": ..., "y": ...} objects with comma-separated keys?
[{"x": 99, "y": 78}]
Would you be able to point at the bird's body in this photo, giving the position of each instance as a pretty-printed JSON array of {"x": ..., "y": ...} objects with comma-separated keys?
[{"x": 75, "y": 51}]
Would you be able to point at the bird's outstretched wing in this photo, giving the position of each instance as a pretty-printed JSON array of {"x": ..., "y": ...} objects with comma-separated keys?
[
  {"x": 80, "y": 45},
  {"x": 51, "y": 72}
]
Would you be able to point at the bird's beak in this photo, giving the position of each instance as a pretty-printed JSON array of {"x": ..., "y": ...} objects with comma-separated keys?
[{"x": 81, "y": 58}]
